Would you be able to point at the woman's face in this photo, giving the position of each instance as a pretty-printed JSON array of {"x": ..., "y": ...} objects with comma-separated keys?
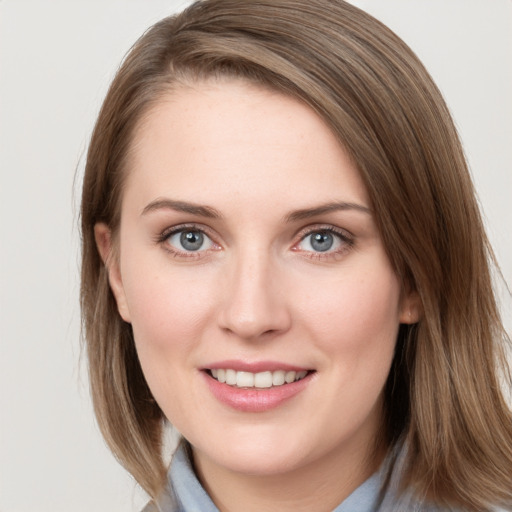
[{"x": 248, "y": 251}]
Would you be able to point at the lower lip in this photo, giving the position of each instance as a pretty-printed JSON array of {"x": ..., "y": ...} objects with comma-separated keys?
[{"x": 255, "y": 399}]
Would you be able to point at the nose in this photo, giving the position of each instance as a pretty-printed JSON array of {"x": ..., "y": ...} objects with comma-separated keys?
[{"x": 254, "y": 300}]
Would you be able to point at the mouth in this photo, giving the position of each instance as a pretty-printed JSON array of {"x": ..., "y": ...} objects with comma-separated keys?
[
  {"x": 261, "y": 380},
  {"x": 257, "y": 386}
]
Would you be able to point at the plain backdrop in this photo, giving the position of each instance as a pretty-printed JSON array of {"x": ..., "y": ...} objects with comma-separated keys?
[{"x": 57, "y": 58}]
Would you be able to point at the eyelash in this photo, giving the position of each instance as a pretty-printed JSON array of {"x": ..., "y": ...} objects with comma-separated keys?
[
  {"x": 346, "y": 239},
  {"x": 167, "y": 233}
]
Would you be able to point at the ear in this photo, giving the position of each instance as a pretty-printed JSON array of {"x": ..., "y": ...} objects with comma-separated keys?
[
  {"x": 103, "y": 237},
  {"x": 411, "y": 307}
]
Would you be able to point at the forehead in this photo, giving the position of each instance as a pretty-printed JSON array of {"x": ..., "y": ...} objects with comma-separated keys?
[{"x": 231, "y": 138}]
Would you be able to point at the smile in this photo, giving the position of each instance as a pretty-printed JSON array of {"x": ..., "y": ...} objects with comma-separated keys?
[
  {"x": 267, "y": 387},
  {"x": 262, "y": 380}
]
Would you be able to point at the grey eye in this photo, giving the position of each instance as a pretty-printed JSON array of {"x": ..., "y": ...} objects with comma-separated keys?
[
  {"x": 189, "y": 240},
  {"x": 321, "y": 241}
]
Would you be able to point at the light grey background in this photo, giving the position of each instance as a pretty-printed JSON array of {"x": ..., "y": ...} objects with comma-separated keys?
[{"x": 57, "y": 58}]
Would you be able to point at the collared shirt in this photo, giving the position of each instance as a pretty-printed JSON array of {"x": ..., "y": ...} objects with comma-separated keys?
[{"x": 186, "y": 494}]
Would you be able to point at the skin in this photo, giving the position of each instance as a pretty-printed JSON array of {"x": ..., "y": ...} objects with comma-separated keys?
[{"x": 257, "y": 290}]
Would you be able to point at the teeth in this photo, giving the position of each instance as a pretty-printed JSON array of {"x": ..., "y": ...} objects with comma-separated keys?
[
  {"x": 278, "y": 378},
  {"x": 263, "y": 380},
  {"x": 290, "y": 377},
  {"x": 231, "y": 377},
  {"x": 257, "y": 380},
  {"x": 244, "y": 379}
]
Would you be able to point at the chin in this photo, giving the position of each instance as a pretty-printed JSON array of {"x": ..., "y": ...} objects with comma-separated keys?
[
  {"x": 262, "y": 452},
  {"x": 259, "y": 462}
]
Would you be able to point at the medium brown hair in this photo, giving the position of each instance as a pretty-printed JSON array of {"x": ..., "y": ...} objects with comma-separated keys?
[{"x": 443, "y": 397}]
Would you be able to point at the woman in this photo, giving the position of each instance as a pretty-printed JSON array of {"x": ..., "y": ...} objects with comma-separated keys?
[{"x": 283, "y": 258}]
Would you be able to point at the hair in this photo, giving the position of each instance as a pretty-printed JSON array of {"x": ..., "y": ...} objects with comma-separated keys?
[{"x": 443, "y": 397}]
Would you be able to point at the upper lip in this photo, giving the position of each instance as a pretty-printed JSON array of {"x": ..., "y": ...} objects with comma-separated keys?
[{"x": 254, "y": 366}]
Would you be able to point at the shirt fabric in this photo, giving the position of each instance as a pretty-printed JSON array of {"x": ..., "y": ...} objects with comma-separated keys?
[{"x": 186, "y": 494}]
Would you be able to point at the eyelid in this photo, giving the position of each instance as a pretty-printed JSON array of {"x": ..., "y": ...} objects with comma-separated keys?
[
  {"x": 313, "y": 228},
  {"x": 345, "y": 236},
  {"x": 192, "y": 226},
  {"x": 172, "y": 230}
]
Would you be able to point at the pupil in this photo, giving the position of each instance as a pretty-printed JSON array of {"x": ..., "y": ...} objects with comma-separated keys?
[
  {"x": 322, "y": 241},
  {"x": 191, "y": 240}
]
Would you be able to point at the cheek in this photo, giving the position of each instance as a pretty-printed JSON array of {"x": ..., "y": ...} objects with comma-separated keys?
[
  {"x": 368, "y": 304},
  {"x": 356, "y": 334},
  {"x": 164, "y": 313},
  {"x": 357, "y": 315},
  {"x": 168, "y": 306},
  {"x": 169, "y": 314}
]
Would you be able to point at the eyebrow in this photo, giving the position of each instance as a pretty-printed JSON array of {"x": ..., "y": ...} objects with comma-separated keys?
[
  {"x": 182, "y": 206},
  {"x": 307, "y": 213},
  {"x": 212, "y": 213}
]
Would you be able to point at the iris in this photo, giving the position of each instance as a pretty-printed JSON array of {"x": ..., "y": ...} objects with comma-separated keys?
[
  {"x": 322, "y": 241},
  {"x": 191, "y": 240}
]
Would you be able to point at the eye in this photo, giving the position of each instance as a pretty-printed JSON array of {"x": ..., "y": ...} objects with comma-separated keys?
[
  {"x": 188, "y": 240},
  {"x": 320, "y": 241},
  {"x": 326, "y": 240}
]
